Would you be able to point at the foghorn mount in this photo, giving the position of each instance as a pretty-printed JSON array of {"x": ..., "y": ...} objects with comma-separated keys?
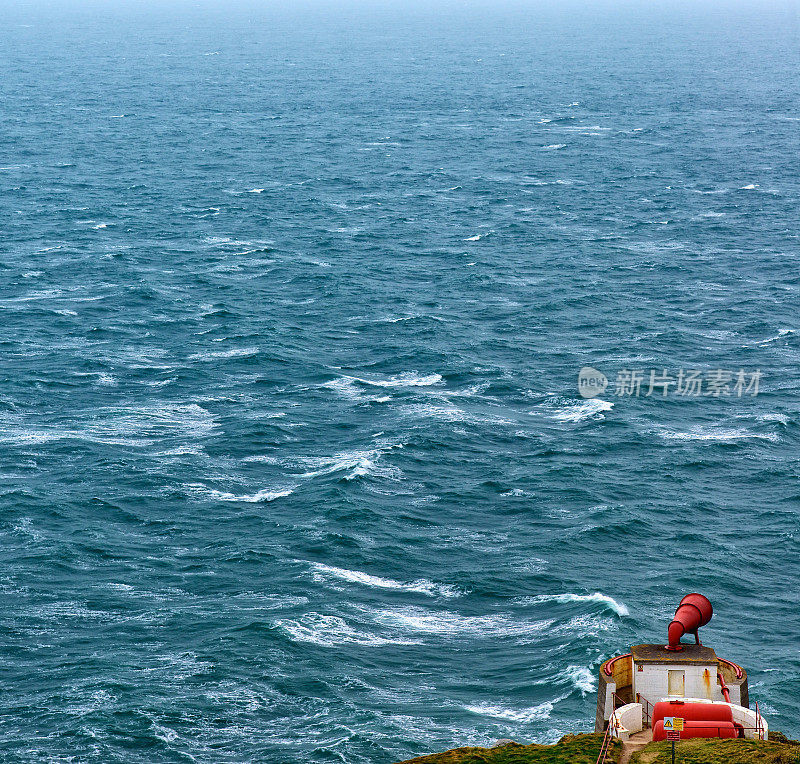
[{"x": 693, "y": 612}]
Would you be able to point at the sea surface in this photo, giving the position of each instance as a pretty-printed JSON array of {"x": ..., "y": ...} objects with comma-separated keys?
[{"x": 293, "y": 462}]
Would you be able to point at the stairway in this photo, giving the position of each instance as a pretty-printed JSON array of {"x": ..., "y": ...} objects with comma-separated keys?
[{"x": 635, "y": 743}]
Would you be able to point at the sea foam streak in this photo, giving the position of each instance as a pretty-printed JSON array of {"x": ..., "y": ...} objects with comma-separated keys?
[
  {"x": 222, "y": 354},
  {"x": 331, "y": 631},
  {"x": 325, "y": 573},
  {"x": 718, "y": 434},
  {"x": 532, "y": 714},
  {"x": 449, "y": 624}
]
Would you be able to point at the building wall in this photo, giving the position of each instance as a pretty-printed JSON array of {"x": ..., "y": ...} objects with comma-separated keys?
[
  {"x": 700, "y": 681},
  {"x": 605, "y": 688}
]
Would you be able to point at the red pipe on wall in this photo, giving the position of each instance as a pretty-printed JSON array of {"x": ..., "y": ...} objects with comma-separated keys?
[
  {"x": 725, "y": 691},
  {"x": 693, "y": 612}
]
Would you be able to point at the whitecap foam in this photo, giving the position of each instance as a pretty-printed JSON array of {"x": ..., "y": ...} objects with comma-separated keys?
[
  {"x": 565, "y": 410},
  {"x": 450, "y": 413},
  {"x": 187, "y": 419},
  {"x": 324, "y": 573},
  {"x": 222, "y": 354},
  {"x": 581, "y": 677},
  {"x": 358, "y": 464},
  {"x": 554, "y": 147},
  {"x": 256, "y": 191},
  {"x": 781, "y": 418},
  {"x": 346, "y": 387},
  {"x": 716, "y": 434},
  {"x": 264, "y": 495},
  {"x": 782, "y": 333},
  {"x": 536, "y": 713},
  {"x": 182, "y": 451},
  {"x": 446, "y": 623},
  {"x": 597, "y": 597},
  {"x": 584, "y": 626},
  {"x": 352, "y": 388},
  {"x": 406, "y": 379},
  {"x": 332, "y": 631}
]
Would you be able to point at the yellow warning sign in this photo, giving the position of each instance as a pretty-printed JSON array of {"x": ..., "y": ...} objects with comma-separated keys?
[{"x": 673, "y": 723}]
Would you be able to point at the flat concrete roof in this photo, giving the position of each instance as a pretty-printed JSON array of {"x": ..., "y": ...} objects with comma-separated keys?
[{"x": 691, "y": 654}]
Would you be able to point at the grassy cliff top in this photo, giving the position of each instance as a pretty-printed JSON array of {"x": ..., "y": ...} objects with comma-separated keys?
[
  {"x": 720, "y": 752},
  {"x": 583, "y": 749},
  {"x": 572, "y": 749}
]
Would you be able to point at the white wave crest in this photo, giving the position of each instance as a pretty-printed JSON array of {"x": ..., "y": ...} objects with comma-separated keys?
[
  {"x": 597, "y": 597},
  {"x": 325, "y": 573},
  {"x": 581, "y": 677},
  {"x": 359, "y": 464},
  {"x": 406, "y": 379},
  {"x": 524, "y": 715},
  {"x": 264, "y": 495},
  {"x": 565, "y": 410},
  {"x": 779, "y": 336},
  {"x": 331, "y": 631},
  {"x": 221, "y": 354}
]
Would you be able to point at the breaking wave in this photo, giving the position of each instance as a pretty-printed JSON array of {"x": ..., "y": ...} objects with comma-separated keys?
[
  {"x": 332, "y": 631},
  {"x": 597, "y": 597},
  {"x": 536, "y": 713},
  {"x": 566, "y": 410},
  {"x": 326, "y": 573},
  {"x": 265, "y": 495}
]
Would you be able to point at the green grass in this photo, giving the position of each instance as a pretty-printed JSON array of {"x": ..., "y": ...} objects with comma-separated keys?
[
  {"x": 572, "y": 749},
  {"x": 720, "y": 752},
  {"x": 583, "y": 749}
]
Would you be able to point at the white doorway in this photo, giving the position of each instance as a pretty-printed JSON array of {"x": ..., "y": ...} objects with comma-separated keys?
[{"x": 676, "y": 683}]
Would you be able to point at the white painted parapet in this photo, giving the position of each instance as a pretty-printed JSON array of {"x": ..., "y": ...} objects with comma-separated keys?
[{"x": 626, "y": 721}]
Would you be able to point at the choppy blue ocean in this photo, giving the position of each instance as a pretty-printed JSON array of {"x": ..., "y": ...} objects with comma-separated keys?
[{"x": 294, "y": 466}]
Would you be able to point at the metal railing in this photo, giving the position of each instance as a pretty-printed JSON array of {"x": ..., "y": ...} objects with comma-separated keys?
[
  {"x": 617, "y": 701},
  {"x": 734, "y": 666},
  {"x": 606, "y": 668},
  {"x": 608, "y": 739},
  {"x": 647, "y": 710},
  {"x": 759, "y": 723}
]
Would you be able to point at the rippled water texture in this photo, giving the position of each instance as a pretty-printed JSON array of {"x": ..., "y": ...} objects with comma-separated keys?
[{"x": 294, "y": 465}]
